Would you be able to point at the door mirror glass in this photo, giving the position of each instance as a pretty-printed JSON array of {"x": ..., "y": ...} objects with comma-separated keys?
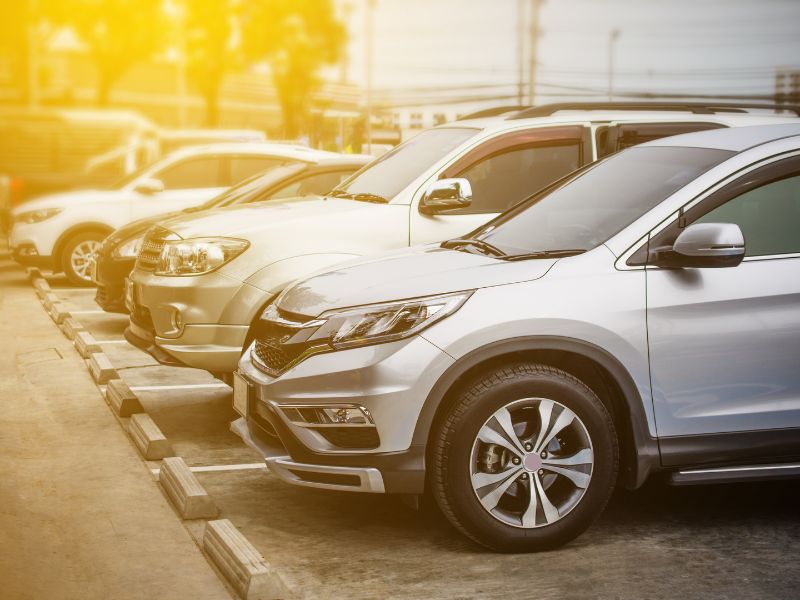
[
  {"x": 446, "y": 194},
  {"x": 149, "y": 186},
  {"x": 702, "y": 246}
]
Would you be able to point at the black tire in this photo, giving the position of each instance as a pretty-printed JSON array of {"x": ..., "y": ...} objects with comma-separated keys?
[
  {"x": 451, "y": 455},
  {"x": 74, "y": 277}
]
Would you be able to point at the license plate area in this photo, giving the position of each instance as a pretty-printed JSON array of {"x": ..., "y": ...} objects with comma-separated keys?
[{"x": 242, "y": 391}]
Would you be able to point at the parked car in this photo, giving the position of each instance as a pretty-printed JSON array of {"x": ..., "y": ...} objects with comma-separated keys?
[
  {"x": 201, "y": 312},
  {"x": 62, "y": 231},
  {"x": 641, "y": 316},
  {"x": 116, "y": 256}
]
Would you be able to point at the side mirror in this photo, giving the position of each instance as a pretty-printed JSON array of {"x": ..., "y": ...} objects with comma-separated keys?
[
  {"x": 703, "y": 246},
  {"x": 149, "y": 187},
  {"x": 446, "y": 194}
]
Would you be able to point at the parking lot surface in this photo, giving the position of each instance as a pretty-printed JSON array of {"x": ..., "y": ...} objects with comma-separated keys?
[{"x": 70, "y": 473}]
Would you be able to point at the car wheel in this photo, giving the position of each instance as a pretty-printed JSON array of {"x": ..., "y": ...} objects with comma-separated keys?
[
  {"x": 525, "y": 459},
  {"x": 78, "y": 255}
]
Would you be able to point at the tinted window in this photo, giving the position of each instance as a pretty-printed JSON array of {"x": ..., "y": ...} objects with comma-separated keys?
[
  {"x": 502, "y": 180},
  {"x": 597, "y": 203},
  {"x": 243, "y": 167},
  {"x": 192, "y": 173},
  {"x": 769, "y": 217},
  {"x": 313, "y": 185},
  {"x": 392, "y": 172}
]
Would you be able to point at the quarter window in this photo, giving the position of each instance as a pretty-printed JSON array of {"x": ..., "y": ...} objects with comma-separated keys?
[{"x": 769, "y": 217}]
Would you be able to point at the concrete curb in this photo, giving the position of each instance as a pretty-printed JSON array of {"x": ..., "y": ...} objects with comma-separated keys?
[
  {"x": 34, "y": 273},
  {"x": 41, "y": 286},
  {"x": 71, "y": 327},
  {"x": 122, "y": 400},
  {"x": 101, "y": 368},
  {"x": 185, "y": 491},
  {"x": 49, "y": 299},
  {"x": 85, "y": 344},
  {"x": 148, "y": 437},
  {"x": 59, "y": 313},
  {"x": 241, "y": 564}
]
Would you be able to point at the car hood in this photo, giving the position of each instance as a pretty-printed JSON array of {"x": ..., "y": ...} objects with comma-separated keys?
[
  {"x": 253, "y": 221},
  {"x": 139, "y": 226},
  {"x": 407, "y": 273},
  {"x": 74, "y": 198}
]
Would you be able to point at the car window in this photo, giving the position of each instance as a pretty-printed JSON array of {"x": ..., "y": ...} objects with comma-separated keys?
[
  {"x": 192, "y": 173},
  {"x": 769, "y": 217},
  {"x": 243, "y": 167},
  {"x": 614, "y": 138},
  {"x": 392, "y": 172},
  {"x": 586, "y": 210},
  {"x": 504, "y": 179},
  {"x": 318, "y": 184}
]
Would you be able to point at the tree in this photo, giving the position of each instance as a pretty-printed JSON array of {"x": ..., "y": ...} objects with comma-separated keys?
[
  {"x": 296, "y": 38},
  {"x": 210, "y": 49},
  {"x": 118, "y": 34}
]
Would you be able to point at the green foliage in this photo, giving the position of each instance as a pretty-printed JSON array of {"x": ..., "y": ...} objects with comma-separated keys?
[{"x": 297, "y": 38}]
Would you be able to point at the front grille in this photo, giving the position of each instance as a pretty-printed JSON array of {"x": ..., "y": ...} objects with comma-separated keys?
[
  {"x": 150, "y": 252},
  {"x": 280, "y": 342}
]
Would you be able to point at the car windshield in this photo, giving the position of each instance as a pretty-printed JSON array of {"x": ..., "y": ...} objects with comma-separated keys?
[
  {"x": 254, "y": 186},
  {"x": 392, "y": 172},
  {"x": 588, "y": 209}
]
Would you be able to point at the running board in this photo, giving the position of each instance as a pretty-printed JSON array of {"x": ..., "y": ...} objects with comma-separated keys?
[{"x": 735, "y": 474}]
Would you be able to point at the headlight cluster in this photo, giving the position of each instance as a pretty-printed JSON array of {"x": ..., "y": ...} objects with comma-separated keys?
[
  {"x": 198, "y": 256},
  {"x": 372, "y": 324},
  {"x": 129, "y": 248},
  {"x": 37, "y": 216}
]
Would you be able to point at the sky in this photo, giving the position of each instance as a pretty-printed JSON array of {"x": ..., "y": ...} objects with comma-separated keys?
[{"x": 470, "y": 47}]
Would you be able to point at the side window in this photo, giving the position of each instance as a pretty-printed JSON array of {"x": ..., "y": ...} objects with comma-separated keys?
[
  {"x": 501, "y": 180},
  {"x": 313, "y": 185},
  {"x": 769, "y": 217},
  {"x": 614, "y": 138},
  {"x": 244, "y": 167},
  {"x": 192, "y": 173}
]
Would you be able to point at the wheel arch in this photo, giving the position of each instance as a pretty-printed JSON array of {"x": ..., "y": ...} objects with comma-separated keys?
[
  {"x": 595, "y": 367},
  {"x": 58, "y": 247}
]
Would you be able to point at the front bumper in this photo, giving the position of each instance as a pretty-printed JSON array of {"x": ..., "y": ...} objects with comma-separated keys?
[
  {"x": 391, "y": 381},
  {"x": 200, "y": 322},
  {"x": 109, "y": 275}
]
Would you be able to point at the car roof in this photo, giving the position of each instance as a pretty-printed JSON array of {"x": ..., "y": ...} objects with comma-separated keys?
[
  {"x": 292, "y": 151},
  {"x": 735, "y": 139},
  {"x": 344, "y": 160}
]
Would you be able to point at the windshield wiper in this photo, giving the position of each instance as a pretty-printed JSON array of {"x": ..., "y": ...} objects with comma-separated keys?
[
  {"x": 479, "y": 244},
  {"x": 360, "y": 196},
  {"x": 546, "y": 254}
]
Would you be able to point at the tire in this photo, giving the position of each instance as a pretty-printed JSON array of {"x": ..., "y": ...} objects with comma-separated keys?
[
  {"x": 472, "y": 469},
  {"x": 76, "y": 253}
]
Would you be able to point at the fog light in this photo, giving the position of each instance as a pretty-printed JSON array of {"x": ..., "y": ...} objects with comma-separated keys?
[
  {"x": 333, "y": 414},
  {"x": 28, "y": 251}
]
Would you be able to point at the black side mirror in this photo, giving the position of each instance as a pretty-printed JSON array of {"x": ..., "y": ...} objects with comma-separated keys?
[
  {"x": 702, "y": 246},
  {"x": 446, "y": 194}
]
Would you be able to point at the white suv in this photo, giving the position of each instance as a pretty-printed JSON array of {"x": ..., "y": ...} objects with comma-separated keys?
[
  {"x": 62, "y": 231},
  {"x": 189, "y": 309}
]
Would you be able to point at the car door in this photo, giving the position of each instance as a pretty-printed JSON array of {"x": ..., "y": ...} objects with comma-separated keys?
[
  {"x": 503, "y": 171},
  {"x": 187, "y": 182},
  {"x": 725, "y": 343}
]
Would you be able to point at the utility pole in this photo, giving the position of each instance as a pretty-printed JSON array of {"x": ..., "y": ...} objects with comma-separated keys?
[
  {"x": 520, "y": 51},
  {"x": 370, "y": 35},
  {"x": 534, "y": 43},
  {"x": 613, "y": 36},
  {"x": 32, "y": 74}
]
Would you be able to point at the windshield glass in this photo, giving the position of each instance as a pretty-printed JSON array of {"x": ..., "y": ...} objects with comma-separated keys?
[
  {"x": 252, "y": 189},
  {"x": 392, "y": 172},
  {"x": 597, "y": 203}
]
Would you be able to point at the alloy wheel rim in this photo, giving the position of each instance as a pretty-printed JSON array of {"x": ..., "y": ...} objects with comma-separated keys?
[
  {"x": 83, "y": 255},
  {"x": 531, "y": 463}
]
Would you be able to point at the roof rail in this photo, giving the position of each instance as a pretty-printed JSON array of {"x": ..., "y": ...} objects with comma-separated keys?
[
  {"x": 492, "y": 112},
  {"x": 698, "y": 108}
]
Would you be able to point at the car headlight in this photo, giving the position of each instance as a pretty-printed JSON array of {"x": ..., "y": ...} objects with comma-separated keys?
[
  {"x": 374, "y": 323},
  {"x": 198, "y": 256},
  {"x": 129, "y": 248},
  {"x": 37, "y": 216}
]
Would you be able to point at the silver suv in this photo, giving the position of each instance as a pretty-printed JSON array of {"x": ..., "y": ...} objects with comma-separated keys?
[{"x": 643, "y": 315}]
